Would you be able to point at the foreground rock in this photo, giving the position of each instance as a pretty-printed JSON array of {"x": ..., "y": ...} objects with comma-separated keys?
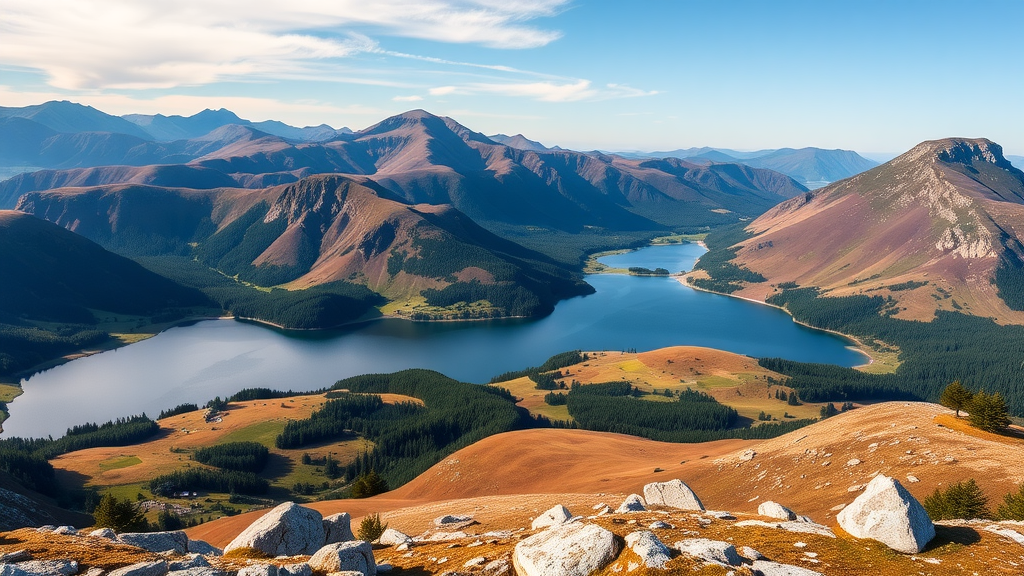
[
  {"x": 713, "y": 551},
  {"x": 673, "y": 494},
  {"x": 566, "y": 550},
  {"x": 176, "y": 541},
  {"x": 158, "y": 568},
  {"x": 40, "y": 568},
  {"x": 775, "y": 510},
  {"x": 651, "y": 551},
  {"x": 632, "y": 503},
  {"x": 338, "y": 528},
  {"x": 553, "y": 517},
  {"x": 356, "y": 556},
  {"x": 287, "y": 530},
  {"x": 392, "y": 537},
  {"x": 886, "y": 512},
  {"x": 766, "y": 568}
]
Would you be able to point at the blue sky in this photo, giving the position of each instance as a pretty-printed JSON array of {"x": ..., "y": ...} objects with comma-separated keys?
[{"x": 642, "y": 75}]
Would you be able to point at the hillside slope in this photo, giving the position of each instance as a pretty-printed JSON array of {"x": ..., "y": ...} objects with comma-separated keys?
[{"x": 938, "y": 228}]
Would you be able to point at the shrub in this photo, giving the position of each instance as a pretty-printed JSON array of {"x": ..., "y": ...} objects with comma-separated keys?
[
  {"x": 119, "y": 515},
  {"x": 371, "y": 528},
  {"x": 963, "y": 500},
  {"x": 1013, "y": 506}
]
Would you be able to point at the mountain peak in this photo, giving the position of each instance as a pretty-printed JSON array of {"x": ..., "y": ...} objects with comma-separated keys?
[{"x": 959, "y": 151}]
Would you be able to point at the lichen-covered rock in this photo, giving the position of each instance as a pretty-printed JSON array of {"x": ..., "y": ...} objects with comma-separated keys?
[
  {"x": 651, "y": 550},
  {"x": 176, "y": 541},
  {"x": 258, "y": 570},
  {"x": 204, "y": 548},
  {"x": 300, "y": 569},
  {"x": 40, "y": 568},
  {"x": 766, "y": 568},
  {"x": 632, "y": 503},
  {"x": 104, "y": 533},
  {"x": 775, "y": 510},
  {"x": 673, "y": 494},
  {"x": 449, "y": 519},
  {"x": 886, "y": 512},
  {"x": 553, "y": 517},
  {"x": 287, "y": 530},
  {"x": 392, "y": 537},
  {"x": 191, "y": 561},
  {"x": 714, "y": 551},
  {"x": 158, "y": 568},
  {"x": 198, "y": 571},
  {"x": 356, "y": 555},
  {"x": 338, "y": 528},
  {"x": 567, "y": 550}
]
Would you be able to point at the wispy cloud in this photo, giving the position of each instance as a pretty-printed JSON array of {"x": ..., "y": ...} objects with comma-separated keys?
[
  {"x": 407, "y": 98},
  {"x": 128, "y": 44},
  {"x": 572, "y": 90}
]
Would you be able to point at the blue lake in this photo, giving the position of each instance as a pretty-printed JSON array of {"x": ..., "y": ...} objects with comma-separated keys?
[{"x": 219, "y": 357}]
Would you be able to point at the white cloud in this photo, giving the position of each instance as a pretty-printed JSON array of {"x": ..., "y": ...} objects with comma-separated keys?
[
  {"x": 132, "y": 44},
  {"x": 546, "y": 91},
  {"x": 443, "y": 90},
  {"x": 407, "y": 98}
]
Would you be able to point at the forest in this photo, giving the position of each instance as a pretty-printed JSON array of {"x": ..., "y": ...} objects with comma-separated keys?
[{"x": 725, "y": 277}]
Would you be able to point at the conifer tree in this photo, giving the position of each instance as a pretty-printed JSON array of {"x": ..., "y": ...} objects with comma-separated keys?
[
  {"x": 989, "y": 412},
  {"x": 956, "y": 397},
  {"x": 119, "y": 515},
  {"x": 1013, "y": 506}
]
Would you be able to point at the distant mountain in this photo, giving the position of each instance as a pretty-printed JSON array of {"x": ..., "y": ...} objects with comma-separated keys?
[
  {"x": 68, "y": 117},
  {"x": 1017, "y": 161},
  {"x": 424, "y": 158},
  {"x": 316, "y": 231},
  {"x": 522, "y": 143},
  {"x": 812, "y": 167},
  {"x": 938, "y": 228},
  {"x": 169, "y": 128}
]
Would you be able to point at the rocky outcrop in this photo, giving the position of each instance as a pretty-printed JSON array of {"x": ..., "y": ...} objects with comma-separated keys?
[
  {"x": 553, "y": 517},
  {"x": 775, "y": 510},
  {"x": 567, "y": 550},
  {"x": 886, "y": 512},
  {"x": 673, "y": 494},
  {"x": 651, "y": 551},
  {"x": 713, "y": 551},
  {"x": 287, "y": 530},
  {"x": 40, "y": 568},
  {"x": 766, "y": 568},
  {"x": 632, "y": 503},
  {"x": 176, "y": 541},
  {"x": 338, "y": 528},
  {"x": 392, "y": 537},
  {"x": 204, "y": 548},
  {"x": 354, "y": 556},
  {"x": 158, "y": 568}
]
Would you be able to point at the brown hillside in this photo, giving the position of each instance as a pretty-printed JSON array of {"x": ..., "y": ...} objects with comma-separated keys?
[{"x": 943, "y": 215}]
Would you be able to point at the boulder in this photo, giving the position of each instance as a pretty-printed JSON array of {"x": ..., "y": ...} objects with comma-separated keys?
[
  {"x": 66, "y": 530},
  {"x": 673, "y": 494},
  {"x": 647, "y": 546},
  {"x": 392, "y": 537},
  {"x": 567, "y": 550},
  {"x": 287, "y": 530},
  {"x": 356, "y": 555},
  {"x": 553, "y": 517},
  {"x": 204, "y": 548},
  {"x": 886, "y": 512},
  {"x": 632, "y": 503},
  {"x": 449, "y": 519},
  {"x": 40, "y": 568},
  {"x": 659, "y": 525},
  {"x": 158, "y": 568},
  {"x": 258, "y": 570},
  {"x": 15, "y": 556},
  {"x": 775, "y": 510},
  {"x": 751, "y": 554},
  {"x": 338, "y": 528},
  {"x": 300, "y": 569},
  {"x": 713, "y": 551},
  {"x": 176, "y": 541},
  {"x": 191, "y": 561},
  {"x": 499, "y": 567},
  {"x": 766, "y": 568},
  {"x": 197, "y": 571},
  {"x": 104, "y": 533}
]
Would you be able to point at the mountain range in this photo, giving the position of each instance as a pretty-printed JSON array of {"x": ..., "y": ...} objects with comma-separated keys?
[{"x": 937, "y": 228}]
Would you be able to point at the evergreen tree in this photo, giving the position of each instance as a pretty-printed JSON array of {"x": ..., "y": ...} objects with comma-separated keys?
[
  {"x": 119, "y": 515},
  {"x": 988, "y": 412},
  {"x": 371, "y": 528},
  {"x": 956, "y": 397},
  {"x": 1013, "y": 506},
  {"x": 963, "y": 501},
  {"x": 369, "y": 484},
  {"x": 828, "y": 410}
]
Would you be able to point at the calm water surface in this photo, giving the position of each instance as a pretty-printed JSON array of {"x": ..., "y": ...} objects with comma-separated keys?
[{"x": 219, "y": 357}]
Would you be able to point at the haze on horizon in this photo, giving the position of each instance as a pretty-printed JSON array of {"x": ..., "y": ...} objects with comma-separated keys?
[{"x": 871, "y": 76}]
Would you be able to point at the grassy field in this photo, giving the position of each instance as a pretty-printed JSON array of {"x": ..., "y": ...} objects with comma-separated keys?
[{"x": 734, "y": 380}]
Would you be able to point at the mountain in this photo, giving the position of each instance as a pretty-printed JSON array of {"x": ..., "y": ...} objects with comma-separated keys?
[
  {"x": 170, "y": 128},
  {"x": 320, "y": 230},
  {"x": 937, "y": 228},
  {"x": 812, "y": 167},
  {"x": 1017, "y": 161},
  {"x": 68, "y": 117},
  {"x": 522, "y": 143}
]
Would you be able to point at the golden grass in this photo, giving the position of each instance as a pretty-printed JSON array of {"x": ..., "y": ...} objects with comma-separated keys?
[
  {"x": 9, "y": 392},
  {"x": 121, "y": 462},
  {"x": 1015, "y": 438}
]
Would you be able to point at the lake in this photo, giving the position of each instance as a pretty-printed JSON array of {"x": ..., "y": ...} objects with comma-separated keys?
[{"x": 219, "y": 357}]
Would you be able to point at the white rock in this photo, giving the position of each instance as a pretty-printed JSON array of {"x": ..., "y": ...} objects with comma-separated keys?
[
  {"x": 356, "y": 555},
  {"x": 659, "y": 525},
  {"x": 751, "y": 554},
  {"x": 40, "y": 568},
  {"x": 158, "y": 568},
  {"x": 798, "y": 526},
  {"x": 714, "y": 551},
  {"x": 204, "y": 548},
  {"x": 287, "y": 530},
  {"x": 775, "y": 510},
  {"x": 566, "y": 550},
  {"x": 852, "y": 462},
  {"x": 888, "y": 513},
  {"x": 747, "y": 455},
  {"x": 912, "y": 479},
  {"x": 15, "y": 556},
  {"x": 766, "y": 568},
  {"x": 632, "y": 503},
  {"x": 258, "y": 570},
  {"x": 478, "y": 561},
  {"x": 673, "y": 494},
  {"x": 176, "y": 541},
  {"x": 338, "y": 528},
  {"x": 67, "y": 530},
  {"x": 392, "y": 537},
  {"x": 198, "y": 571},
  {"x": 300, "y": 569},
  {"x": 104, "y": 533},
  {"x": 647, "y": 546},
  {"x": 449, "y": 519},
  {"x": 553, "y": 517},
  {"x": 191, "y": 561}
]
